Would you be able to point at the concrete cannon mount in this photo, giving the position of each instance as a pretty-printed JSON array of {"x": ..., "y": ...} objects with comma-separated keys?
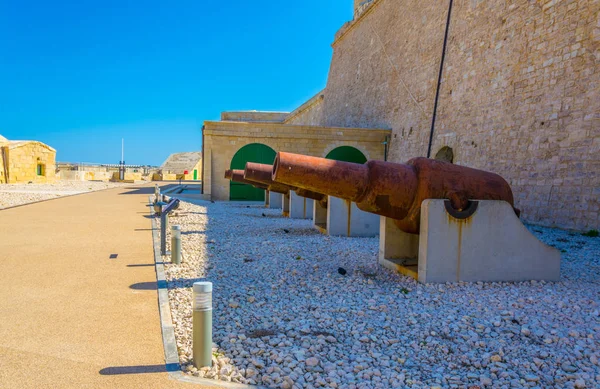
[
  {"x": 300, "y": 207},
  {"x": 344, "y": 218},
  {"x": 486, "y": 242},
  {"x": 275, "y": 200}
]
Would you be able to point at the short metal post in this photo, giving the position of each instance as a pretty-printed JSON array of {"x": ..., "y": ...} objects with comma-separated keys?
[
  {"x": 176, "y": 245},
  {"x": 156, "y": 194},
  {"x": 164, "y": 221},
  {"x": 202, "y": 324}
]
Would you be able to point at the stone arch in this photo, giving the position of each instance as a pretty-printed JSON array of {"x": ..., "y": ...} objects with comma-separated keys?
[
  {"x": 347, "y": 154},
  {"x": 253, "y": 152},
  {"x": 445, "y": 154}
]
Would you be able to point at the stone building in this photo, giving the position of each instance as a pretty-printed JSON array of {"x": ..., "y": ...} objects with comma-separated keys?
[
  {"x": 510, "y": 87},
  {"x": 242, "y": 137},
  {"x": 23, "y": 161},
  {"x": 176, "y": 166}
]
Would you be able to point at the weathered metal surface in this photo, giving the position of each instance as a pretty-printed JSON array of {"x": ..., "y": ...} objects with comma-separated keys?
[
  {"x": 261, "y": 173},
  {"x": 320, "y": 197},
  {"x": 238, "y": 176},
  {"x": 391, "y": 189}
]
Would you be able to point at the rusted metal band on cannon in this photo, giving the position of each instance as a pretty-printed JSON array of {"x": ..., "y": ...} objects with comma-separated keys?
[{"x": 465, "y": 213}]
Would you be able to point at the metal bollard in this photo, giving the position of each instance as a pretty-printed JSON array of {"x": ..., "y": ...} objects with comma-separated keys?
[
  {"x": 156, "y": 194},
  {"x": 164, "y": 222},
  {"x": 202, "y": 324},
  {"x": 176, "y": 245}
]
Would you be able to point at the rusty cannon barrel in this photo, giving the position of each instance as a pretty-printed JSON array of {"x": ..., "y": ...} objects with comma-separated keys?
[
  {"x": 238, "y": 176},
  {"x": 260, "y": 172},
  {"x": 228, "y": 174},
  {"x": 389, "y": 189}
]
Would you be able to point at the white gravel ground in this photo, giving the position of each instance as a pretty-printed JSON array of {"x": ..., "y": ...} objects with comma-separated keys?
[
  {"x": 285, "y": 318},
  {"x": 18, "y": 194}
]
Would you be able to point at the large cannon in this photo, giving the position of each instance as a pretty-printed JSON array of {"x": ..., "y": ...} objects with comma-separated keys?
[
  {"x": 238, "y": 176},
  {"x": 391, "y": 189},
  {"x": 263, "y": 173}
]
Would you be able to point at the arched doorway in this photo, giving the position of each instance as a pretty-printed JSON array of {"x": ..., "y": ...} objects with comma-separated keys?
[
  {"x": 254, "y": 152},
  {"x": 445, "y": 154},
  {"x": 347, "y": 154}
]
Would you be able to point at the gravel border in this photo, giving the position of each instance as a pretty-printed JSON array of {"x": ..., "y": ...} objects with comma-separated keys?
[{"x": 166, "y": 321}]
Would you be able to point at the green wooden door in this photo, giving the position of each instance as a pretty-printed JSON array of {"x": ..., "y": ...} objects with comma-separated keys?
[
  {"x": 347, "y": 154},
  {"x": 254, "y": 152}
]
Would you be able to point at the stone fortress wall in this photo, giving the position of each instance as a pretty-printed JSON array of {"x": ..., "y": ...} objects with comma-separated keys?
[{"x": 520, "y": 93}]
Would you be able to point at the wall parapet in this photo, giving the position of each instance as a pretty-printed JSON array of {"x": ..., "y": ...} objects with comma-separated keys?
[
  {"x": 316, "y": 99},
  {"x": 360, "y": 14},
  {"x": 254, "y": 116},
  {"x": 291, "y": 131}
]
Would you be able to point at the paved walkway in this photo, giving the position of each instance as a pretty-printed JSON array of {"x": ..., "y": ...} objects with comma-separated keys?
[{"x": 69, "y": 315}]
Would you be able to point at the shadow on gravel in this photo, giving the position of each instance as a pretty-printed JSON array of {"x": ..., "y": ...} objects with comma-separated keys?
[
  {"x": 267, "y": 216},
  {"x": 119, "y": 370},
  {"x": 193, "y": 233}
]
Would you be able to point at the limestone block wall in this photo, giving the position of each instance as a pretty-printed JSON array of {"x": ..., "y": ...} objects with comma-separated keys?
[
  {"x": 254, "y": 116},
  {"x": 24, "y": 158},
  {"x": 223, "y": 139},
  {"x": 2, "y": 176},
  {"x": 128, "y": 176},
  {"x": 84, "y": 175},
  {"x": 520, "y": 94},
  {"x": 309, "y": 113}
]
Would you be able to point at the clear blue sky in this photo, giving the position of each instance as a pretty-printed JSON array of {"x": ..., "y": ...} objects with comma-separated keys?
[{"x": 80, "y": 75}]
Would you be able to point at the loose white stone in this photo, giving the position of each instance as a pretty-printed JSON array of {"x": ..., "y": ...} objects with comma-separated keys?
[
  {"x": 312, "y": 361},
  {"x": 362, "y": 328}
]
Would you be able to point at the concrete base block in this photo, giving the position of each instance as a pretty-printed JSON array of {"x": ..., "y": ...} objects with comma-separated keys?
[
  {"x": 285, "y": 204},
  {"x": 345, "y": 219},
  {"x": 489, "y": 245},
  {"x": 320, "y": 217},
  {"x": 300, "y": 207},
  {"x": 275, "y": 200}
]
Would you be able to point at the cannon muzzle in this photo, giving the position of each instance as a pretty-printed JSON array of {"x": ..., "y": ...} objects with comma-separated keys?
[
  {"x": 261, "y": 173},
  {"x": 228, "y": 174},
  {"x": 390, "y": 189},
  {"x": 238, "y": 176}
]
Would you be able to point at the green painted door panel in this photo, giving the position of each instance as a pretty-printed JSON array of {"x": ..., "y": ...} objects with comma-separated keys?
[
  {"x": 347, "y": 154},
  {"x": 254, "y": 152}
]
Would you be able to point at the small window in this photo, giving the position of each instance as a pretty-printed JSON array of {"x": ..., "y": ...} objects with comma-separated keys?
[{"x": 41, "y": 169}]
